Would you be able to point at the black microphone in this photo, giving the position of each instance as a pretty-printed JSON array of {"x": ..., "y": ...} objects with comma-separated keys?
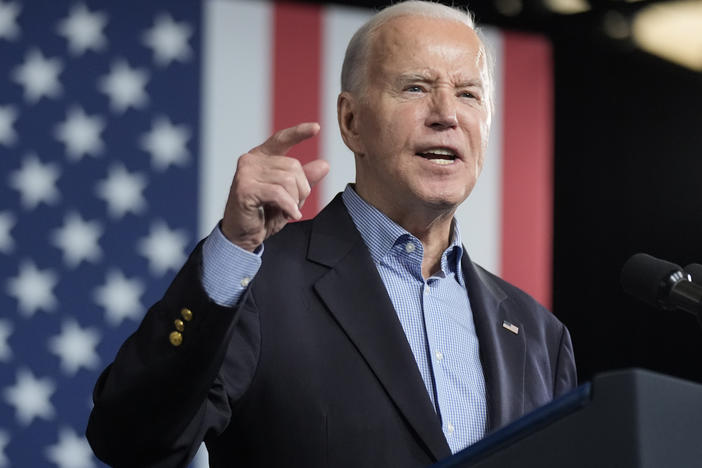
[
  {"x": 695, "y": 271},
  {"x": 661, "y": 284}
]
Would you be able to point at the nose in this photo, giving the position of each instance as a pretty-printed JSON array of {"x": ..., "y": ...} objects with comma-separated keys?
[{"x": 442, "y": 113}]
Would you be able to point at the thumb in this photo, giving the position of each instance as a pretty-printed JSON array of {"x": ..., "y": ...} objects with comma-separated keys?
[{"x": 315, "y": 171}]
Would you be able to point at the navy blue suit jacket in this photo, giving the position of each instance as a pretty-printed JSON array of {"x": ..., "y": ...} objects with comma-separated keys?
[{"x": 313, "y": 367}]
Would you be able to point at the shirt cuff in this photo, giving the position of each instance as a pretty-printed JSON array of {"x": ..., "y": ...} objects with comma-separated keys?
[{"x": 227, "y": 269}]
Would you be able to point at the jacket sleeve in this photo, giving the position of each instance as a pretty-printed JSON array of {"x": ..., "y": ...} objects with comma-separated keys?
[
  {"x": 162, "y": 395},
  {"x": 566, "y": 373}
]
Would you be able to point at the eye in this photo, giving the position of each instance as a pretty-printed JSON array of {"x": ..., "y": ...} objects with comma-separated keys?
[
  {"x": 468, "y": 95},
  {"x": 414, "y": 89}
]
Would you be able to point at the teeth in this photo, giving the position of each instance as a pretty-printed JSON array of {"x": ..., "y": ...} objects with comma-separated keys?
[
  {"x": 442, "y": 151},
  {"x": 441, "y": 161}
]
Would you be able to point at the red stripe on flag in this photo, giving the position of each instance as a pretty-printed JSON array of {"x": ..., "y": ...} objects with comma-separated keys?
[
  {"x": 296, "y": 78},
  {"x": 527, "y": 201}
]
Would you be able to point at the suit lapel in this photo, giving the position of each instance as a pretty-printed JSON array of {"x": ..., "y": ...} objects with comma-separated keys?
[
  {"x": 502, "y": 352},
  {"x": 357, "y": 298}
]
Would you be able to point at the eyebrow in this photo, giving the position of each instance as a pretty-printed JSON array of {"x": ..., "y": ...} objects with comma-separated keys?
[
  {"x": 409, "y": 77},
  {"x": 427, "y": 78},
  {"x": 474, "y": 83}
]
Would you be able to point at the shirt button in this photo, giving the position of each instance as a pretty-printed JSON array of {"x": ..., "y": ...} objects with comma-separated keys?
[
  {"x": 409, "y": 247},
  {"x": 427, "y": 289},
  {"x": 245, "y": 281},
  {"x": 449, "y": 428},
  {"x": 439, "y": 356}
]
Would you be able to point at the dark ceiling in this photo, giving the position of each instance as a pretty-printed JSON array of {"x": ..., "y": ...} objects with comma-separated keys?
[
  {"x": 528, "y": 14},
  {"x": 605, "y": 19}
]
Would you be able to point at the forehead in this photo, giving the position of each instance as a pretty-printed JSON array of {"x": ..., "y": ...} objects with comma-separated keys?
[{"x": 416, "y": 42}]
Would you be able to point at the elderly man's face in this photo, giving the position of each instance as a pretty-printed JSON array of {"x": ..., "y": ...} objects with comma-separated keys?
[{"x": 421, "y": 127}]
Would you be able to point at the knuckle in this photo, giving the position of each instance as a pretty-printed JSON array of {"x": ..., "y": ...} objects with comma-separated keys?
[
  {"x": 279, "y": 192},
  {"x": 279, "y": 136},
  {"x": 245, "y": 161},
  {"x": 289, "y": 179},
  {"x": 292, "y": 165},
  {"x": 240, "y": 175}
]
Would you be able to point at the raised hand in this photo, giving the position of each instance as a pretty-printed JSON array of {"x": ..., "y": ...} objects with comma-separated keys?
[{"x": 269, "y": 188}]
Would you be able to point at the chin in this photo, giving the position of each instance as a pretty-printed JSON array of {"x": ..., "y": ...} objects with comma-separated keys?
[
  {"x": 441, "y": 198},
  {"x": 443, "y": 201}
]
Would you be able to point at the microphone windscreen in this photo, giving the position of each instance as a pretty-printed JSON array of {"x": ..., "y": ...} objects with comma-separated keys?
[
  {"x": 695, "y": 270},
  {"x": 645, "y": 276}
]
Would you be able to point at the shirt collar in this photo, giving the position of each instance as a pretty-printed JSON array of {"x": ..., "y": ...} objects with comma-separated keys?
[{"x": 380, "y": 233}]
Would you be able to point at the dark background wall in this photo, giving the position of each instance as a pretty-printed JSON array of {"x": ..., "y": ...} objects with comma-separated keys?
[
  {"x": 628, "y": 167},
  {"x": 628, "y": 170}
]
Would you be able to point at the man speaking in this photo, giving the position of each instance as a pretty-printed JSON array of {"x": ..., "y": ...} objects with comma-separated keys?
[{"x": 363, "y": 337}]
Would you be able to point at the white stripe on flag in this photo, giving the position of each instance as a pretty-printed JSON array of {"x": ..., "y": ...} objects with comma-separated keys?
[
  {"x": 236, "y": 95},
  {"x": 338, "y": 25}
]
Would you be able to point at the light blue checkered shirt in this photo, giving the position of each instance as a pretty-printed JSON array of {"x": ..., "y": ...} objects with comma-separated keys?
[{"x": 435, "y": 313}]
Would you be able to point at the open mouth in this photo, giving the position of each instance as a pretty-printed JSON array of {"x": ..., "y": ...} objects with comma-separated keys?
[{"x": 440, "y": 156}]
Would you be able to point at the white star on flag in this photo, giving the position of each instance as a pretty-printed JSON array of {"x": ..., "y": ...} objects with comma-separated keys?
[
  {"x": 125, "y": 86},
  {"x": 33, "y": 289},
  {"x": 38, "y": 76},
  {"x": 120, "y": 297},
  {"x": 166, "y": 143},
  {"x": 164, "y": 248},
  {"x": 7, "y": 222},
  {"x": 8, "y": 115},
  {"x": 80, "y": 134},
  {"x": 31, "y": 397},
  {"x": 5, "y": 333},
  {"x": 78, "y": 239},
  {"x": 122, "y": 190},
  {"x": 36, "y": 182},
  {"x": 8, "y": 20},
  {"x": 75, "y": 347},
  {"x": 71, "y": 450},
  {"x": 83, "y": 30},
  {"x": 169, "y": 40}
]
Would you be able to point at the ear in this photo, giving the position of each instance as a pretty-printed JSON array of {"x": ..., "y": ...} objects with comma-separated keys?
[{"x": 347, "y": 114}]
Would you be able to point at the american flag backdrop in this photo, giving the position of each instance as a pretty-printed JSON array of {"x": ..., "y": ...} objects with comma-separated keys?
[{"x": 120, "y": 124}]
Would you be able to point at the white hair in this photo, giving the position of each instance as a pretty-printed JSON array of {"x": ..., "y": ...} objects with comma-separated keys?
[{"x": 353, "y": 71}]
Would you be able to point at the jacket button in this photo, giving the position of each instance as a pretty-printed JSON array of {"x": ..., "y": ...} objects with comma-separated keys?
[
  {"x": 179, "y": 325},
  {"x": 186, "y": 314},
  {"x": 175, "y": 338}
]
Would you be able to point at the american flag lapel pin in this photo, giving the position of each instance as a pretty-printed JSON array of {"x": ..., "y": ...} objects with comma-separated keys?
[{"x": 511, "y": 327}]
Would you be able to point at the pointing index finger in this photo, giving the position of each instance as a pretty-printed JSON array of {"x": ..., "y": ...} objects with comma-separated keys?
[{"x": 281, "y": 142}]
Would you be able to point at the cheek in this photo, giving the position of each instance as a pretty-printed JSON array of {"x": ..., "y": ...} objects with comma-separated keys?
[
  {"x": 477, "y": 130},
  {"x": 384, "y": 137},
  {"x": 399, "y": 127},
  {"x": 388, "y": 127}
]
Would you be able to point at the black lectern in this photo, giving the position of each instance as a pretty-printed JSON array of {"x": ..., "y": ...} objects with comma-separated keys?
[{"x": 624, "y": 419}]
